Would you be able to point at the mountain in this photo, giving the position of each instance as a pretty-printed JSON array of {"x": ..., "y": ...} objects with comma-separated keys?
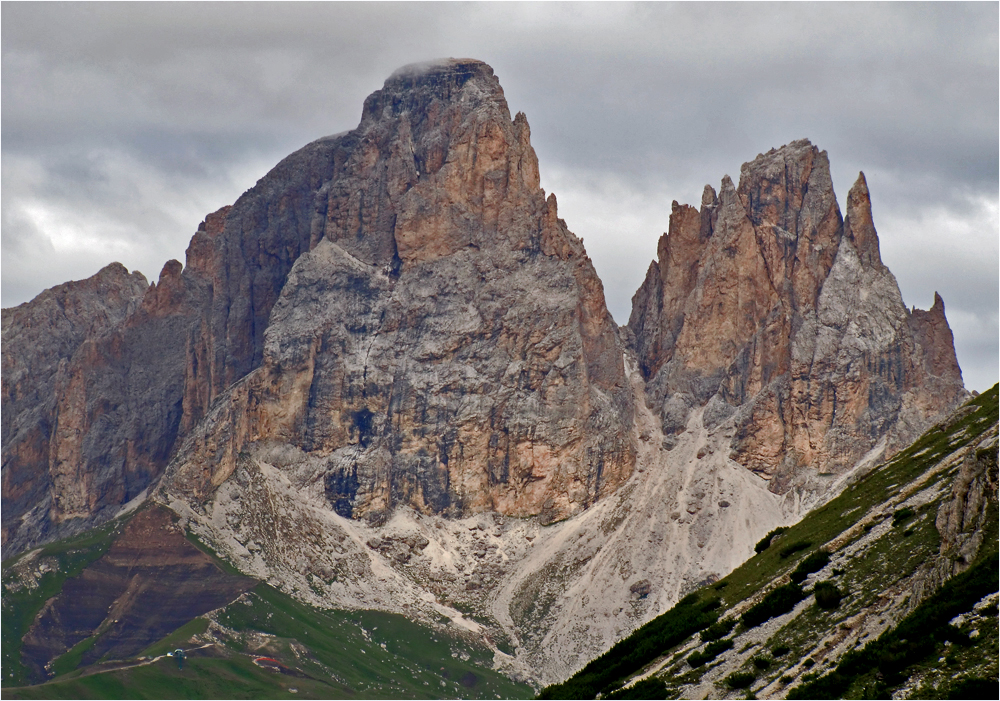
[
  {"x": 409, "y": 306},
  {"x": 444, "y": 344},
  {"x": 768, "y": 308},
  {"x": 386, "y": 378}
]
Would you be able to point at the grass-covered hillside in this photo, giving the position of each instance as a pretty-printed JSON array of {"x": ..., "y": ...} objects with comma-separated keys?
[
  {"x": 261, "y": 644},
  {"x": 889, "y": 588}
]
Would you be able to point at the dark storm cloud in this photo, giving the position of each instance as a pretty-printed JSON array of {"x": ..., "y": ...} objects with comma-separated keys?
[{"x": 123, "y": 124}]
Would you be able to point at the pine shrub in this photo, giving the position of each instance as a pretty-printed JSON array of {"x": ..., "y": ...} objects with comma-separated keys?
[{"x": 827, "y": 594}]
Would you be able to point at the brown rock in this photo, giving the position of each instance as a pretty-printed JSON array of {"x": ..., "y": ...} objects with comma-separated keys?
[
  {"x": 935, "y": 343},
  {"x": 767, "y": 307},
  {"x": 443, "y": 340},
  {"x": 446, "y": 344},
  {"x": 40, "y": 339}
]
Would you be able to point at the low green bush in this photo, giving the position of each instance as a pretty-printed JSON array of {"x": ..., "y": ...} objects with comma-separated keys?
[
  {"x": 762, "y": 662},
  {"x": 970, "y": 688},
  {"x": 902, "y": 515},
  {"x": 740, "y": 680},
  {"x": 711, "y": 651},
  {"x": 780, "y": 650},
  {"x": 793, "y": 548},
  {"x": 765, "y": 542},
  {"x": 954, "y": 635},
  {"x": 813, "y": 563},
  {"x": 717, "y": 630},
  {"x": 827, "y": 594},
  {"x": 777, "y": 602}
]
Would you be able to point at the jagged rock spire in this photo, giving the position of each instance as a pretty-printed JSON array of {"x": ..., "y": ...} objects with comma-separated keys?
[
  {"x": 352, "y": 304},
  {"x": 859, "y": 228},
  {"x": 785, "y": 318}
]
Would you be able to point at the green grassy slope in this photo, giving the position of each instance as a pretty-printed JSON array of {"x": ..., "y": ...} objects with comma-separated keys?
[
  {"x": 875, "y": 548},
  {"x": 920, "y": 639},
  {"x": 63, "y": 559},
  {"x": 322, "y": 654}
]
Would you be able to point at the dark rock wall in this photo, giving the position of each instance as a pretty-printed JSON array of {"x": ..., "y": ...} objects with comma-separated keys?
[{"x": 40, "y": 341}]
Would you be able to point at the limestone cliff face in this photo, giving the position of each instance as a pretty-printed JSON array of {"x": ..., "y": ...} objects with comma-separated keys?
[
  {"x": 440, "y": 338},
  {"x": 41, "y": 338},
  {"x": 132, "y": 394},
  {"x": 445, "y": 344},
  {"x": 962, "y": 518},
  {"x": 767, "y": 306}
]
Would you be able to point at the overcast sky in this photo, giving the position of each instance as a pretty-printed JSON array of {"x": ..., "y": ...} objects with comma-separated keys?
[{"x": 124, "y": 124}]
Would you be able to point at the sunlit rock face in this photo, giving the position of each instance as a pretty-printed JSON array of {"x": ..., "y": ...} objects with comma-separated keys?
[
  {"x": 445, "y": 343},
  {"x": 768, "y": 305},
  {"x": 412, "y": 312}
]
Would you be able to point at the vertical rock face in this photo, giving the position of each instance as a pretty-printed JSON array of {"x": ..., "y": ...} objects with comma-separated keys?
[
  {"x": 410, "y": 309},
  {"x": 40, "y": 340},
  {"x": 132, "y": 393},
  {"x": 446, "y": 342},
  {"x": 768, "y": 305}
]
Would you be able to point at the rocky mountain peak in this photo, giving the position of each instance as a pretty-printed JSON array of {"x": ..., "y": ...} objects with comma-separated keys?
[
  {"x": 937, "y": 344},
  {"x": 438, "y": 165},
  {"x": 763, "y": 308},
  {"x": 789, "y": 188},
  {"x": 859, "y": 227},
  {"x": 437, "y": 272},
  {"x": 419, "y": 87}
]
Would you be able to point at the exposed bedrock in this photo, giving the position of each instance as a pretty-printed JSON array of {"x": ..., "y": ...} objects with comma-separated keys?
[
  {"x": 444, "y": 341},
  {"x": 445, "y": 344},
  {"x": 767, "y": 304}
]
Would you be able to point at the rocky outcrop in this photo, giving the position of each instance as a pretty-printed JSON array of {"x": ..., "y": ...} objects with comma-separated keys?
[
  {"x": 446, "y": 343},
  {"x": 962, "y": 519},
  {"x": 132, "y": 393},
  {"x": 40, "y": 340},
  {"x": 768, "y": 308},
  {"x": 935, "y": 342}
]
